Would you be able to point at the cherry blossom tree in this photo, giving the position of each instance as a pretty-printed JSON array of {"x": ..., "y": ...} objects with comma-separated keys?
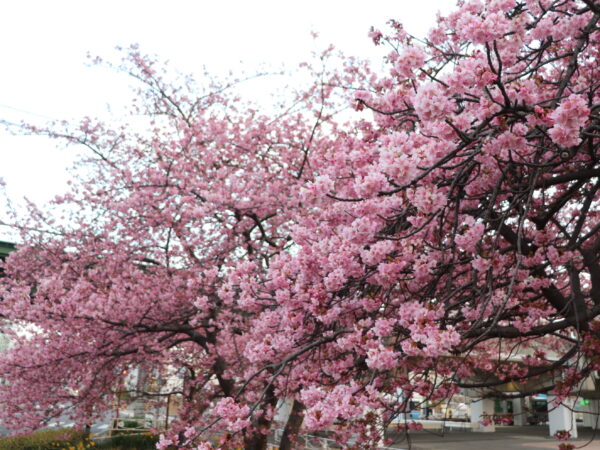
[
  {"x": 456, "y": 243},
  {"x": 447, "y": 237},
  {"x": 169, "y": 213}
]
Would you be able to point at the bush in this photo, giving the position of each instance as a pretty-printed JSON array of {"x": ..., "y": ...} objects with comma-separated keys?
[
  {"x": 131, "y": 424},
  {"x": 129, "y": 442},
  {"x": 60, "y": 438}
]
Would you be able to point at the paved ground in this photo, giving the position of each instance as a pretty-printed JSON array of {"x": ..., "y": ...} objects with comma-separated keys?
[{"x": 504, "y": 438}]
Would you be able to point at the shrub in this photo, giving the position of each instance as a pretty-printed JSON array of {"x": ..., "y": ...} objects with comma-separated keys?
[
  {"x": 131, "y": 424},
  {"x": 129, "y": 442},
  {"x": 53, "y": 439}
]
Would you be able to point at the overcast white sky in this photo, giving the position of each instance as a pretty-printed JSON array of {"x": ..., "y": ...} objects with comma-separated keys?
[{"x": 45, "y": 74}]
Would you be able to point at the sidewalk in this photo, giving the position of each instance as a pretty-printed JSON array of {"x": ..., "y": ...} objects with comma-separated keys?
[{"x": 504, "y": 438}]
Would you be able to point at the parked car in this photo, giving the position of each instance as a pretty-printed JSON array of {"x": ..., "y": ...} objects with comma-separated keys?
[
  {"x": 537, "y": 417},
  {"x": 538, "y": 413}
]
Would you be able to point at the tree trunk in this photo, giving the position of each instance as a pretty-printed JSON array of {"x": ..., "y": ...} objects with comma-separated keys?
[
  {"x": 258, "y": 440},
  {"x": 292, "y": 426}
]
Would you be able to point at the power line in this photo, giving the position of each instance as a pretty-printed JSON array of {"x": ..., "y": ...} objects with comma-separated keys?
[{"x": 25, "y": 112}]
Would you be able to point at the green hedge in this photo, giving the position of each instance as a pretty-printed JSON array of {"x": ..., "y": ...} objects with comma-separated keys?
[
  {"x": 53, "y": 439},
  {"x": 67, "y": 439},
  {"x": 128, "y": 442}
]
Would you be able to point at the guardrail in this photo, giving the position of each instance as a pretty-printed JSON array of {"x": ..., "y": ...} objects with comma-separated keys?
[{"x": 313, "y": 442}]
